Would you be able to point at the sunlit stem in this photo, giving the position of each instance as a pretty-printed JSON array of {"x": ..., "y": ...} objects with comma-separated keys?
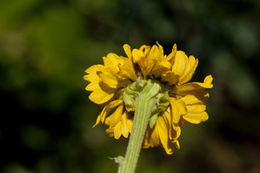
[{"x": 144, "y": 106}]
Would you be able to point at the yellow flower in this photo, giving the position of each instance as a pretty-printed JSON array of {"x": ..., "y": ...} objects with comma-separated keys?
[{"x": 114, "y": 86}]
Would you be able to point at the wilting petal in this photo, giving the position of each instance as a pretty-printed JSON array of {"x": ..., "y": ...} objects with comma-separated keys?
[{"x": 106, "y": 110}]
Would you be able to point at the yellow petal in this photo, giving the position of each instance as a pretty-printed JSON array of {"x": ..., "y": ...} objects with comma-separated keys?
[
  {"x": 118, "y": 122},
  {"x": 109, "y": 107},
  {"x": 174, "y": 130},
  {"x": 152, "y": 138},
  {"x": 145, "y": 49},
  {"x": 109, "y": 79},
  {"x": 93, "y": 85},
  {"x": 178, "y": 109},
  {"x": 137, "y": 55},
  {"x": 148, "y": 62},
  {"x": 172, "y": 55},
  {"x": 208, "y": 82},
  {"x": 177, "y": 144},
  {"x": 97, "y": 121},
  {"x": 101, "y": 94},
  {"x": 118, "y": 130},
  {"x": 191, "y": 99},
  {"x": 93, "y": 77},
  {"x": 160, "y": 48},
  {"x": 163, "y": 133},
  {"x": 196, "y": 108},
  {"x": 180, "y": 63},
  {"x": 110, "y": 131},
  {"x": 111, "y": 62},
  {"x": 94, "y": 69},
  {"x": 195, "y": 88},
  {"x": 125, "y": 131},
  {"x": 115, "y": 117},
  {"x": 189, "y": 71},
  {"x": 127, "y": 70},
  {"x": 127, "y": 50},
  {"x": 196, "y": 118},
  {"x": 161, "y": 68},
  {"x": 170, "y": 77},
  {"x": 129, "y": 123}
]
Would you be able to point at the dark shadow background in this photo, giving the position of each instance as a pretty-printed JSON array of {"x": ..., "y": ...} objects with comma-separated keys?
[{"x": 46, "y": 117}]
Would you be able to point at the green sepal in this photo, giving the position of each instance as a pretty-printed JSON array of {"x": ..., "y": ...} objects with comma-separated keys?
[
  {"x": 129, "y": 102},
  {"x": 153, "y": 120}
]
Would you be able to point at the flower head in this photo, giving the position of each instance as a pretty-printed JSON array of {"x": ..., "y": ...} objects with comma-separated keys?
[{"x": 116, "y": 85}]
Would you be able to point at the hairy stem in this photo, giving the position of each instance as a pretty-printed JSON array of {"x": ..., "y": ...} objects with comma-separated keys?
[{"x": 145, "y": 103}]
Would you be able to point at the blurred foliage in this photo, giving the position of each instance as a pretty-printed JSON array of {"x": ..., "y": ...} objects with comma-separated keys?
[{"x": 46, "y": 118}]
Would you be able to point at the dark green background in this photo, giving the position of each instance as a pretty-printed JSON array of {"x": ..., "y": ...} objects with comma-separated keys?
[{"x": 46, "y": 117}]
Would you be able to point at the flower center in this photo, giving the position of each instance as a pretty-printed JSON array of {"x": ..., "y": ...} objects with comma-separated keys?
[{"x": 159, "y": 95}]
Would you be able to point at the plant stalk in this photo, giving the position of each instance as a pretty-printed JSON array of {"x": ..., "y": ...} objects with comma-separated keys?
[{"x": 144, "y": 107}]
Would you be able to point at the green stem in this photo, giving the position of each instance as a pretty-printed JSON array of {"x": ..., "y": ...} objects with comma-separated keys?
[{"x": 144, "y": 107}]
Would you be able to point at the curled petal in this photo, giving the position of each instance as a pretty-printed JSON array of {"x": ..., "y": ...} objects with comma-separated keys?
[
  {"x": 106, "y": 110},
  {"x": 164, "y": 136},
  {"x": 177, "y": 109},
  {"x": 195, "y": 88}
]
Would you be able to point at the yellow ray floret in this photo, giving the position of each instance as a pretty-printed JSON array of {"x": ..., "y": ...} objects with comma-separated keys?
[{"x": 109, "y": 81}]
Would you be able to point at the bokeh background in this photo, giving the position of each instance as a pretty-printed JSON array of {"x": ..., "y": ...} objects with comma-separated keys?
[{"x": 46, "y": 117}]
